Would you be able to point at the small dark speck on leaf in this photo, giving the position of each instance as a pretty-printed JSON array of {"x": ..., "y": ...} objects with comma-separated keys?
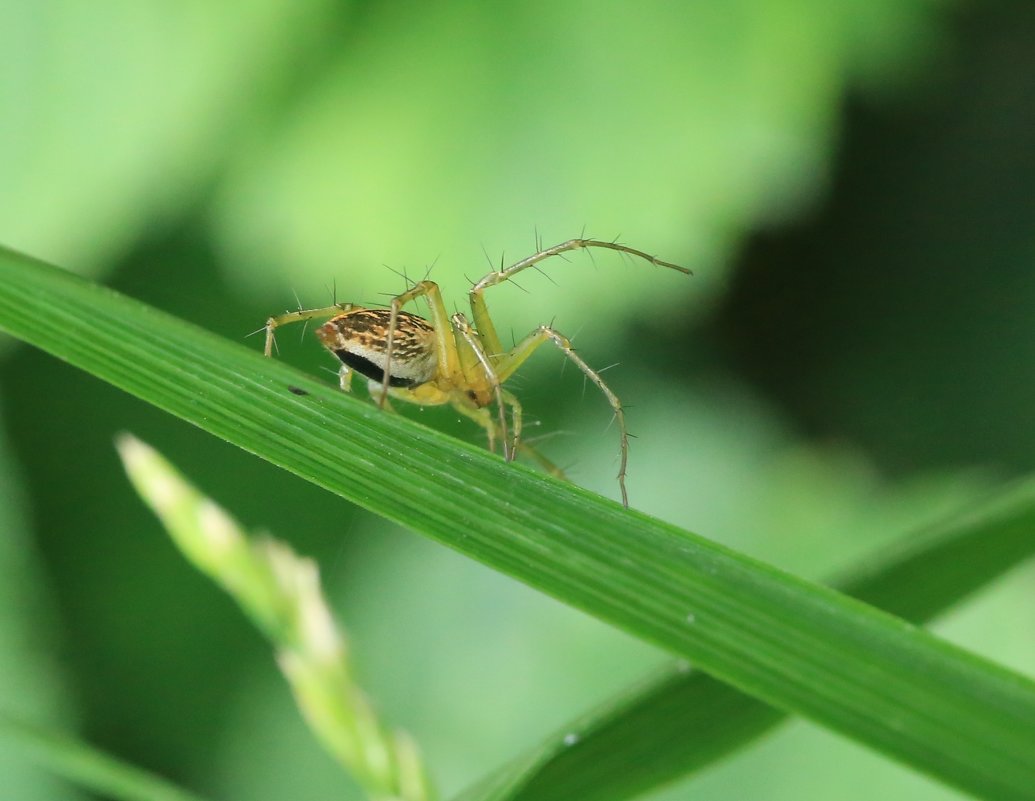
[{"x": 297, "y": 391}]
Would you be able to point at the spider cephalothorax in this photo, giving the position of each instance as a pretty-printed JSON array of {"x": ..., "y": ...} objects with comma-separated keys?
[{"x": 446, "y": 360}]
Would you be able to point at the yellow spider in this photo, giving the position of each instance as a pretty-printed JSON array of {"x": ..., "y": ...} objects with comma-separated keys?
[{"x": 446, "y": 360}]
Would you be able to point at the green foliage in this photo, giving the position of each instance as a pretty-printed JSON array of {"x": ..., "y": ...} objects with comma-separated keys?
[
  {"x": 850, "y": 182},
  {"x": 86, "y": 767},
  {"x": 796, "y": 645},
  {"x": 682, "y": 720}
]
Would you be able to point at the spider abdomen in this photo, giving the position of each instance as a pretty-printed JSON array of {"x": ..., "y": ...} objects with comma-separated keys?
[{"x": 359, "y": 338}]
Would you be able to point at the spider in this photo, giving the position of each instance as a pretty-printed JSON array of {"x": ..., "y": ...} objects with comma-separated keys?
[{"x": 446, "y": 360}]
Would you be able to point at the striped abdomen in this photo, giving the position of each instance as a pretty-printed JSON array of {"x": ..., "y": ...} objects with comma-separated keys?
[{"x": 360, "y": 338}]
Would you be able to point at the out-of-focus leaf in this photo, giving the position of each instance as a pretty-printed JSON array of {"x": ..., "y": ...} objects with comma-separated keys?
[
  {"x": 677, "y": 126},
  {"x": 86, "y": 766},
  {"x": 30, "y": 681},
  {"x": 115, "y": 113}
]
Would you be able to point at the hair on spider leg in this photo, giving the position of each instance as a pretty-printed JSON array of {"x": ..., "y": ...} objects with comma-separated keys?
[
  {"x": 488, "y": 258},
  {"x": 403, "y": 275},
  {"x": 272, "y": 339},
  {"x": 256, "y": 331},
  {"x": 547, "y": 276},
  {"x": 547, "y": 435},
  {"x": 332, "y": 290},
  {"x": 571, "y": 468},
  {"x": 518, "y": 383},
  {"x": 592, "y": 258}
]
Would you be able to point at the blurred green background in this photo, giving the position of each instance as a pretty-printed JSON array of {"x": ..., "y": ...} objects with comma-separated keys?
[{"x": 853, "y": 184}]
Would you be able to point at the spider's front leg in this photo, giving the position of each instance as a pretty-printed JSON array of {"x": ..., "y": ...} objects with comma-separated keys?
[
  {"x": 483, "y": 321},
  {"x": 505, "y": 363},
  {"x": 509, "y": 362}
]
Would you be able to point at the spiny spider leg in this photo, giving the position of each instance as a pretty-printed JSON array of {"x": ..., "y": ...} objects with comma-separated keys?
[
  {"x": 503, "y": 274},
  {"x": 461, "y": 325},
  {"x": 445, "y": 348},
  {"x": 483, "y": 322},
  {"x": 507, "y": 362},
  {"x": 510, "y": 362},
  {"x": 516, "y": 415},
  {"x": 483, "y": 417},
  {"x": 298, "y": 316}
]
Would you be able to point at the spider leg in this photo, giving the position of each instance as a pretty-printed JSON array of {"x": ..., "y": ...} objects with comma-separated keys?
[
  {"x": 463, "y": 328},
  {"x": 509, "y": 362},
  {"x": 296, "y": 316},
  {"x": 445, "y": 345},
  {"x": 520, "y": 446},
  {"x": 345, "y": 378},
  {"x": 483, "y": 417},
  {"x": 544, "y": 463},
  {"x": 515, "y": 414},
  {"x": 482, "y": 320}
]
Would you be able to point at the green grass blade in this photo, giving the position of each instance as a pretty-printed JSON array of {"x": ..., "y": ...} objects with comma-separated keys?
[
  {"x": 796, "y": 645},
  {"x": 87, "y": 767},
  {"x": 680, "y": 721}
]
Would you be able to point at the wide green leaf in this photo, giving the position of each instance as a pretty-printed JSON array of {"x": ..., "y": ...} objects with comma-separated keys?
[
  {"x": 793, "y": 644},
  {"x": 681, "y": 720}
]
